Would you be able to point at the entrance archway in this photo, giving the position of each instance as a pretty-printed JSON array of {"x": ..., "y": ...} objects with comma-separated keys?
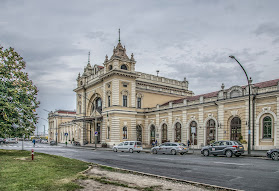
[
  {"x": 177, "y": 131},
  {"x": 235, "y": 129},
  {"x": 139, "y": 133},
  {"x": 210, "y": 131},
  {"x": 164, "y": 133},
  {"x": 152, "y": 134},
  {"x": 194, "y": 124}
]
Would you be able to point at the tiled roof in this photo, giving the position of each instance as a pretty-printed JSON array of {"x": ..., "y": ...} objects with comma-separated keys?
[
  {"x": 100, "y": 66},
  {"x": 215, "y": 94},
  {"x": 267, "y": 83},
  {"x": 65, "y": 111}
]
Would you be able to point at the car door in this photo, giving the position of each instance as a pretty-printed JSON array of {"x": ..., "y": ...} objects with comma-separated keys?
[
  {"x": 221, "y": 147},
  {"x": 161, "y": 148},
  {"x": 214, "y": 148},
  {"x": 125, "y": 146},
  {"x": 167, "y": 148},
  {"x": 120, "y": 146}
]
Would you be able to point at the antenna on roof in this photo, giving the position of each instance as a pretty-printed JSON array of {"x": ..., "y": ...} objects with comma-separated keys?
[
  {"x": 157, "y": 72},
  {"x": 119, "y": 35}
]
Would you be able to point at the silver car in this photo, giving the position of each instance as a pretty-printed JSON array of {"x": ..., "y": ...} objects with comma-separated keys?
[
  {"x": 11, "y": 140},
  {"x": 228, "y": 148},
  {"x": 170, "y": 148},
  {"x": 129, "y": 146}
]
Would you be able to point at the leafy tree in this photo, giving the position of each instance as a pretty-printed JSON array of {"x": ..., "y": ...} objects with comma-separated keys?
[{"x": 18, "y": 96}]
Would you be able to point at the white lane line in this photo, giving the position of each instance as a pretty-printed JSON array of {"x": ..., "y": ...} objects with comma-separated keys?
[
  {"x": 236, "y": 178},
  {"x": 232, "y": 163},
  {"x": 124, "y": 155}
]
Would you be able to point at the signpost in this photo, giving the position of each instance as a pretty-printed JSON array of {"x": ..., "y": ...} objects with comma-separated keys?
[{"x": 96, "y": 135}]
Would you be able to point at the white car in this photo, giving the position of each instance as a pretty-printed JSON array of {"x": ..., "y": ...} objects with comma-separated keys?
[
  {"x": 128, "y": 146},
  {"x": 11, "y": 140},
  {"x": 44, "y": 141}
]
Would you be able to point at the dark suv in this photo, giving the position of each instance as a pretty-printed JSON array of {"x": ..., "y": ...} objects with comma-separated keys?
[{"x": 228, "y": 148}]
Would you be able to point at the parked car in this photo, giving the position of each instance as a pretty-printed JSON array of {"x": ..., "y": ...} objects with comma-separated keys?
[
  {"x": 11, "y": 140},
  {"x": 170, "y": 148},
  {"x": 2, "y": 140},
  {"x": 129, "y": 146},
  {"x": 76, "y": 143},
  {"x": 228, "y": 148},
  {"x": 52, "y": 142},
  {"x": 273, "y": 154},
  {"x": 44, "y": 141}
]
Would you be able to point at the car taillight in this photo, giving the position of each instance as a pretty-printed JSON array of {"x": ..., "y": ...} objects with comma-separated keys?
[
  {"x": 235, "y": 146},
  {"x": 134, "y": 145}
]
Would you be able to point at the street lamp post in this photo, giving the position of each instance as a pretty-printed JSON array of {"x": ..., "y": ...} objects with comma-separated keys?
[{"x": 249, "y": 120}]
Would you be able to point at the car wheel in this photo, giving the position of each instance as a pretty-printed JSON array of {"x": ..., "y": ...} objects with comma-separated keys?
[
  {"x": 205, "y": 153},
  {"x": 215, "y": 155},
  {"x": 182, "y": 153},
  {"x": 154, "y": 151},
  {"x": 115, "y": 149},
  {"x": 131, "y": 150},
  {"x": 138, "y": 151},
  {"x": 173, "y": 152},
  {"x": 228, "y": 153},
  {"x": 274, "y": 156}
]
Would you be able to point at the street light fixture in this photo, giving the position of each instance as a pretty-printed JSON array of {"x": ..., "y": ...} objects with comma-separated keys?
[{"x": 249, "y": 120}]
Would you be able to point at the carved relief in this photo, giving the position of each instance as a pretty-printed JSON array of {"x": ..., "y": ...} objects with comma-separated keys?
[
  {"x": 266, "y": 109},
  {"x": 234, "y": 112}
]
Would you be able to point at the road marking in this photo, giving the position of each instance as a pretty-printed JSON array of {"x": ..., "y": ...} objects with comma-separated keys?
[
  {"x": 236, "y": 178},
  {"x": 232, "y": 163},
  {"x": 124, "y": 155}
]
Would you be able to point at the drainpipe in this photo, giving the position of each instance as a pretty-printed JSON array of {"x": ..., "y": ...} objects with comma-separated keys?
[{"x": 253, "y": 118}]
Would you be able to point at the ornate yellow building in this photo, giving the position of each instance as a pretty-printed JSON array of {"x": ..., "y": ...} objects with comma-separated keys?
[{"x": 121, "y": 104}]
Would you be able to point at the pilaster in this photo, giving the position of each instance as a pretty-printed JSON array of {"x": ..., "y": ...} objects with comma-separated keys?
[
  {"x": 133, "y": 94},
  {"x": 133, "y": 129},
  {"x": 221, "y": 129},
  {"x": 115, "y": 92},
  {"x": 201, "y": 131},
  {"x": 184, "y": 133},
  {"x": 170, "y": 127}
]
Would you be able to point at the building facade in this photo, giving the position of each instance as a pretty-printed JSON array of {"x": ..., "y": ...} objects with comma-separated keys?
[{"x": 115, "y": 103}]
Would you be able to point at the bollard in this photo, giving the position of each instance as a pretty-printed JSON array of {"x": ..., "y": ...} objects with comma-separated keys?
[{"x": 32, "y": 154}]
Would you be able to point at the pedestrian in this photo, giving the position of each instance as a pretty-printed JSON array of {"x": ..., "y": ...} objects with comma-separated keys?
[
  {"x": 34, "y": 142},
  {"x": 156, "y": 142},
  {"x": 188, "y": 142},
  {"x": 153, "y": 143}
]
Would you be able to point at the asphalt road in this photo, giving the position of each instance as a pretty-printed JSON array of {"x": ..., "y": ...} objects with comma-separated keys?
[{"x": 243, "y": 173}]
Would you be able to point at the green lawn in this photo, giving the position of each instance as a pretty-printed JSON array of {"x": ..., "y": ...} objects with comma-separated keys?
[{"x": 45, "y": 172}]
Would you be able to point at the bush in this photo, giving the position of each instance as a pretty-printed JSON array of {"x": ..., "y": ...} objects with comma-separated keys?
[{"x": 242, "y": 141}]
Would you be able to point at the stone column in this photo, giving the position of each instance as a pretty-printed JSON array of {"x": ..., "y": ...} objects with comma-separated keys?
[
  {"x": 170, "y": 127},
  {"x": 202, "y": 130},
  {"x": 220, "y": 129},
  {"x": 184, "y": 130}
]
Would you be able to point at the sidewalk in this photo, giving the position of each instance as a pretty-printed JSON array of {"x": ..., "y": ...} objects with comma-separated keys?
[{"x": 256, "y": 153}]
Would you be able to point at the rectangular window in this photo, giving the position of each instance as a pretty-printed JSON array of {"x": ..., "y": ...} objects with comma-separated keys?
[
  {"x": 124, "y": 100},
  {"x": 108, "y": 133},
  {"x": 108, "y": 101},
  {"x": 139, "y": 102}
]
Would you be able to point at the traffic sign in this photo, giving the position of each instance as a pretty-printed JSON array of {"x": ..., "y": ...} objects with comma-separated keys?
[
  {"x": 96, "y": 133},
  {"x": 66, "y": 134}
]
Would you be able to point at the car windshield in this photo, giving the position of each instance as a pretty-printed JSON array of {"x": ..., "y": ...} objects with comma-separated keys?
[{"x": 138, "y": 143}]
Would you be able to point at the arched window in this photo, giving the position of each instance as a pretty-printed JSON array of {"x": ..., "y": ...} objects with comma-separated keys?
[
  {"x": 164, "y": 133},
  {"x": 139, "y": 102},
  {"x": 108, "y": 101},
  {"x": 177, "y": 132},
  {"x": 123, "y": 67},
  {"x": 210, "y": 131},
  {"x": 98, "y": 104},
  {"x": 110, "y": 67},
  {"x": 193, "y": 124},
  {"x": 267, "y": 127},
  {"x": 152, "y": 134},
  {"x": 125, "y": 133},
  {"x": 139, "y": 133},
  {"x": 235, "y": 129},
  {"x": 125, "y": 104}
]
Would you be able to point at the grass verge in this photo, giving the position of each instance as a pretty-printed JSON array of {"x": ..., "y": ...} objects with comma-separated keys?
[{"x": 45, "y": 172}]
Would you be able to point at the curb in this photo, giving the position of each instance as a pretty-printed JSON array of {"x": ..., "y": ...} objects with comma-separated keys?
[{"x": 168, "y": 178}]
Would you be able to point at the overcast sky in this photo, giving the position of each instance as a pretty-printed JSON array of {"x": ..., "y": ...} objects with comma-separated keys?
[{"x": 191, "y": 39}]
